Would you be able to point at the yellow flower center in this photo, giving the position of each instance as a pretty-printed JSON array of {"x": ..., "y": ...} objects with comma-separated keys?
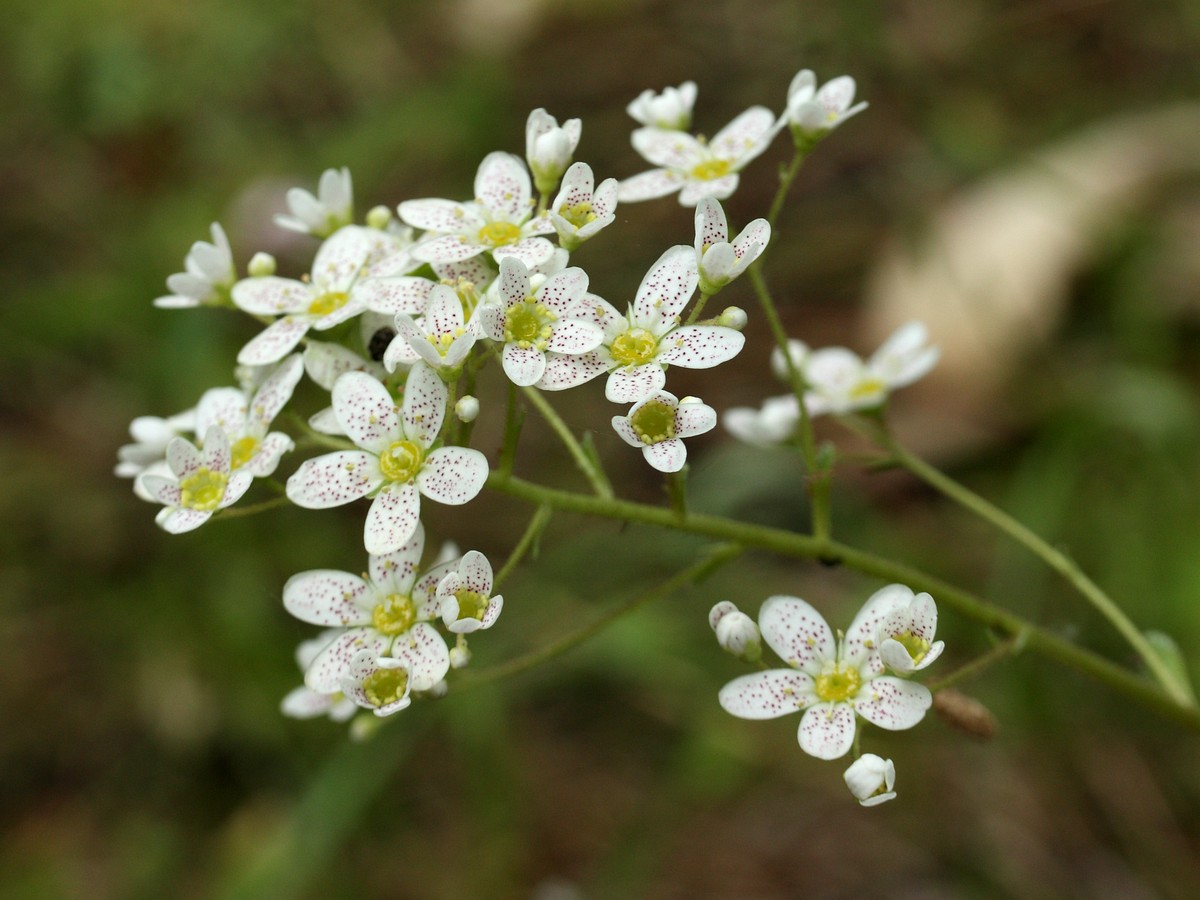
[
  {"x": 442, "y": 342},
  {"x": 401, "y": 461},
  {"x": 579, "y": 214},
  {"x": 327, "y": 303},
  {"x": 527, "y": 324},
  {"x": 634, "y": 347},
  {"x": 242, "y": 451},
  {"x": 916, "y": 646},
  {"x": 654, "y": 422},
  {"x": 395, "y": 614},
  {"x": 868, "y": 387},
  {"x": 204, "y": 490},
  {"x": 838, "y": 683},
  {"x": 711, "y": 169},
  {"x": 499, "y": 234},
  {"x": 468, "y": 295},
  {"x": 385, "y": 686},
  {"x": 470, "y": 604}
]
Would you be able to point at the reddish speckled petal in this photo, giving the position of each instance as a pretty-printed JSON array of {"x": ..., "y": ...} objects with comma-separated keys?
[
  {"x": 177, "y": 521},
  {"x": 478, "y": 270},
  {"x": 752, "y": 240},
  {"x": 440, "y": 216},
  {"x": 392, "y": 519},
  {"x": 275, "y": 341},
  {"x": 266, "y": 458},
  {"x": 424, "y": 590},
  {"x": 711, "y": 226},
  {"x": 700, "y": 346},
  {"x": 325, "y": 363},
  {"x": 649, "y": 185},
  {"x": 575, "y": 336},
  {"x": 745, "y": 137},
  {"x": 476, "y": 573},
  {"x": 625, "y": 431},
  {"x": 424, "y": 650},
  {"x": 394, "y": 573},
  {"x": 425, "y": 398},
  {"x": 533, "y": 251},
  {"x": 453, "y": 475},
  {"x": 634, "y": 383},
  {"x": 334, "y": 479},
  {"x": 447, "y": 248},
  {"x": 827, "y": 730},
  {"x": 576, "y": 187},
  {"x": 402, "y": 294},
  {"x": 563, "y": 290},
  {"x": 274, "y": 393},
  {"x": 325, "y": 673},
  {"x": 329, "y": 597},
  {"x": 523, "y": 365},
  {"x": 667, "y": 287},
  {"x": 272, "y": 296},
  {"x": 163, "y": 490},
  {"x": 343, "y": 256},
  {"x": 366, "y": 411},
  {"x": 564, "y": 372},
  {"x": 861, "y": 638},
  {"x": 893, "y": 703},
  {"x": 666, "y": 456},
  {"x": 796, "y": 632},
  {"x": 502, "y": 186},
  {"x": 216, "y": 449},
  {"x": 668, "y": 148},
  {"x": 694, "y": 418},
  {"x": 183, "y": 457},
  {"x": 767, "y": 695},
  {"x": 239, "y": 482},
  {"x": 224, "y": 407}
]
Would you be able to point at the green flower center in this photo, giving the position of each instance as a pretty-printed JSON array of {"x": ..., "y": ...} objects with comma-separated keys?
[
  {"x": 634, "y": 347},
  {"x": 401, "y": 461},
  {"x": 204, "y": 490},
  {"x": 470, "y": 604},
  {"x": 327, "y": 303},
  {"x": 838, "y": 683},
  {"x": 710, "y": 169},
  {"x": 242, "y": 451},
  {"x": 527, "y": 324},
  {"x": 868, "y": 387},
  {"x": 499, "y": 234},
  {"x": 654, "y": 422},
  {"x": 395, "y": 614},
  {"x": 916, "y": 646},
  {"x": 579, "y": 214},
  {"x": 468, "y": 295},
  {"x": 384, "y": 686}
]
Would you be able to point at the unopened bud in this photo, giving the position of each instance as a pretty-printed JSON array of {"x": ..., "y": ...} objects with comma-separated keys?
[
  {"x": 467, "y": 408},
  {"x": 379, "y": 217},
  {"x": 733, "y": 317},
  {"x": 870, "y": 779},
  {"x": 736, "y": 632},
  {"x": 261, "y": 265},
  {"x": 460, "y": 655}
]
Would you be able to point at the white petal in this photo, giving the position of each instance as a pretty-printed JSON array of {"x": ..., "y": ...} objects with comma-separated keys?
[
  {"x": 327, "y": 597},
  {"x": 447, "y": 248},
  {"x": 440, "y": 216},
  {"x": 649, "y": 185},
  {"x": 216, "y": 449},
  {"x": 533, "y": 251},
  {"x": 745, "y": 137},
  {"x": 394, "y": 573},
  {"x": 893, "y": 703},
  {"x": 334, "y": 479},
  {"x": 694, "y": 418},
  {"x": 326, "y": 362},
  {"x": 700, "y": 346},
  {"x": 625, "y": 430},
  {"x": 392, "y": 519},
  {"x": 224, "y": 407},
  {"x": 183, "y": 457},
  {"x": 424, "y": 651},
  {"x": 342, "y": 256},
  {"x": 666, "y": 456},
  {"x": 453, "y": 475},
  {"x": 767, "y": 695},
  {"x": 400, "y": 294},
  {"x": 827, "y": 730},
  {"x": 670, "y": 149},
  {"x": 667, "y": 287},
  {"x": 796, "y": 632},
  {"x": 634, "y": 383},
  {"x": 272, "y": 296},
  {"x": 274, "y": 342},
  {"x": 366, "y": 411},
  {"x": 424, "y": 410},
  {"x": 266, "y": 458},
  {"x": 274, "y": 393},
  {"x": 502, "y": 186},
  {"x": 696, "y": 190},
  {"x": 524, "y": 366},
  {"x": 860, "y": 639},
  {"x": 564, "y": 372},
  {"x": 332, "y": 664},
  {"x": 177, "y": 521},
  {"x": 563, "y": 291},
  {"x": 574, "y": 336}
]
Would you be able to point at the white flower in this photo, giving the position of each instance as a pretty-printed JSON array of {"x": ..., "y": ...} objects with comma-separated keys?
[
  {"x": 395, "y": 464},
  {"x": 721, "y": 261},
  {"x": 387, "y": 611},
  {"x": 549, "y": 147},
  {"x": 694, "y": 167},
  {"x": 659, "y": 424},
  {"x": 579, "y": 211},
  {"x": 208, "y": 275},
  {"x": 672, "y": 109},
  {"x": 443, "y": 339},
  {"x": 151, "y": 434},
  {"x": 840, "y": 382},
  {"x": 246, "y": 419},
  {"x": 200, "y": 483},
  {"x": 531, "y": 325},
  {"x": 321, "y": 216},
  {"x": 325, "y": 363},
  {"x": 905, "y": 637},
  {"x": 498, "y": 221},
  {"x": 736, "y": 632},
  {"x": 378, "y": 683},
  {"x": 396, "y": 293},
  {"x": 831, "y": 681},
  {"x": 870, "y": 779},
  {"x": 637, "y": 347},
  {"x": 813, "y": 113},
  {"x": 773, "y": 424},
  {"x": 465, "y": 595},
  {"x": 304, "y": 702},
  {"x": 321, "y": 302}
]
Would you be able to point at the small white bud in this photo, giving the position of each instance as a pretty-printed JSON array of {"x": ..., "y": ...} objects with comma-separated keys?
[
  {"x": 733, "y": 317},
  {"x": 261, "y": 265},
  {"x": 797, "y": 350},
  {"x": 379, "y": 217},
  {"x": 467, "y": 408},
  {"x": 439, "y": 690},
  {"x": 460, "y": 655},
  {"x": 870, "y": 779},
  {"x": 736, "y": 632}
]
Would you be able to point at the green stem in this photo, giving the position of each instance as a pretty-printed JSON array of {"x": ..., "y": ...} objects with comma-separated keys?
[
  {"x": 694, "y": 573},
  {"x": 787, "y": 543},
  {"x": 514, "y": 418},
  {"x": 591, "y": 471},
  {"x": 533, "y": 531},
  {"x": 967, "y": 671},
  {"x": 698, "y": 308},
  {"x": 1053, "y": 557},
  {"x": 237, "y": 512}
]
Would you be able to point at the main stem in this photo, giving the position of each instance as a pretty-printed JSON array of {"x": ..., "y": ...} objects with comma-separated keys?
[{"x": 585, "y": 463}]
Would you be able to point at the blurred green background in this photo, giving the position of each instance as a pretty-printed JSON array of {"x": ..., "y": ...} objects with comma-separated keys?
[{"x": 141, "y": 752}]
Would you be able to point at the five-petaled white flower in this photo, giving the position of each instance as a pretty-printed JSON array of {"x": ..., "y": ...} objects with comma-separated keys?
[
  {"x": 549, "y": 147},
  {"x": 637, "y": 347},
  {"x": 554, "y": 320},
  {"x": 305, "y": 703},
  {"x": 694, "y": 167},
  {"x": 387, "y": 612},
  {"x": 831, "y": 680},
  {"x": 498, "y": 221},
  {"x": 321, "y": 216},
  {"x": 840, "y": 382},
  {"x": 395, "y": 464},
  {"x": 659, "y": 424},
  {"x": 812, "y": 113},
  {"x": 870, "y": 779},
  {"x": 246, "y": 419},
  {"x": 208, "y": 275},
  {"x": 720, "y": 260},
  {"x": 672, "y": 109},
  {"x": 442, "y": 338},
  {"x": 906, "y": 636},
  {"x": 465, "y": 595},
  {"x": 381, "y": 684},
  {"x": 580, "y": 211},
  {"x": 202, "y": 482},
  {"x": 320, "y": 302}
]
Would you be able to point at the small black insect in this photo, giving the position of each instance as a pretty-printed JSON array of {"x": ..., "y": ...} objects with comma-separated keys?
[{"x": 379, "y": 343}]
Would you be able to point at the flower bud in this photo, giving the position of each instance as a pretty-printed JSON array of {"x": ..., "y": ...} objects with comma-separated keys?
[
  {"x": 549, "y": 147},
  {"x": 736, "y": 632},
  {"x": 440, "y": 689},
  {"x": 870, "y": 779},
  {"x": 672, "y": 109},
  {"x": 261, "y": 265},
  {"x": 460, "y": 655},
  {"x": 467, "y": 408},
  {"x": 733, "y": 317},
  {"x": 797, "y": 350},
  {"x": 379, "y": 217}
]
